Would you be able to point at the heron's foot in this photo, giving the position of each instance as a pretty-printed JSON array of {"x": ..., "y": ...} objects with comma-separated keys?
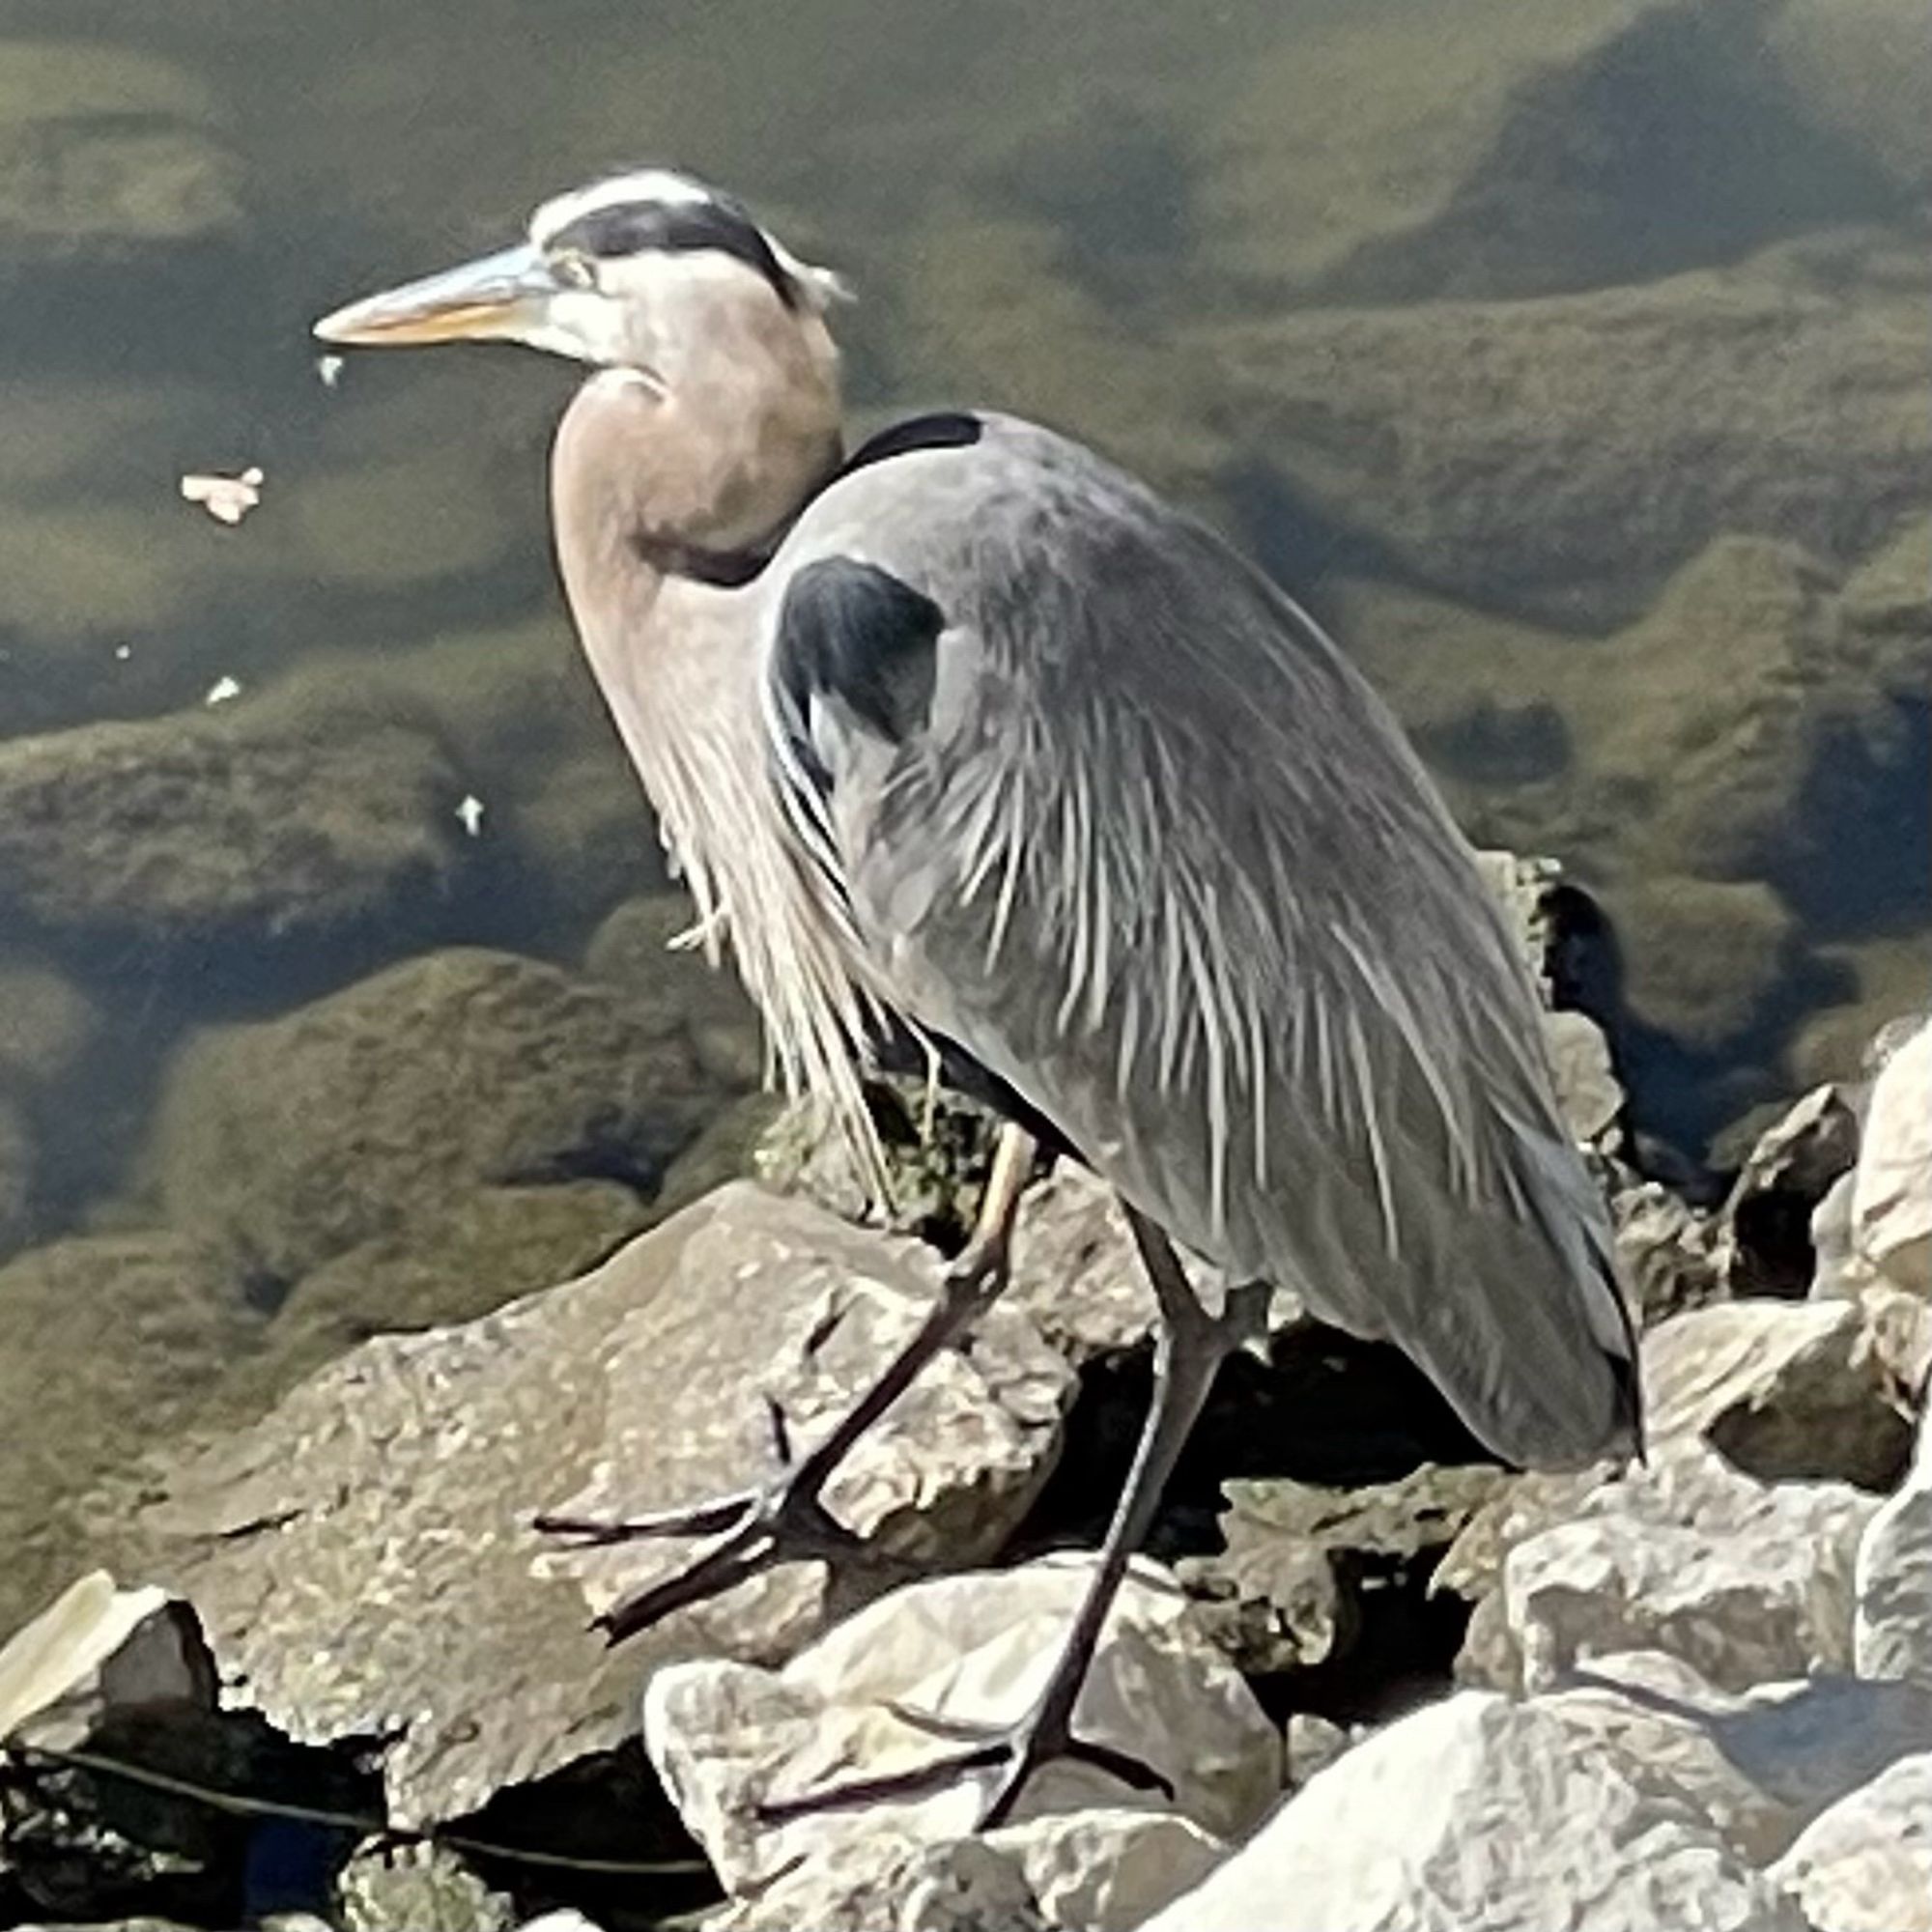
[
  {"x": 1015, "y": 1751},
  {"x": 754, "y": 1530}
]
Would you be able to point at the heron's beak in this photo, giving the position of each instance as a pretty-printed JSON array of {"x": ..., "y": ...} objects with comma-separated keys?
[{"x": 500, "y": 298}]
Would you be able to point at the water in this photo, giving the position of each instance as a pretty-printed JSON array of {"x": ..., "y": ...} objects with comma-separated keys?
[{"x": 1570, "y": 360}]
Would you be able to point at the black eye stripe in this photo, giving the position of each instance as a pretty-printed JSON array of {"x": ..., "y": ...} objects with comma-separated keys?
[{"x": 628, "y": 228}]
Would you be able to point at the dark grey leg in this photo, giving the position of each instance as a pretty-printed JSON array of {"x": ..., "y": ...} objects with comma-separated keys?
[
  {"x": 785, "y": 1521},
  {"x": 1190, "y": 1351}
]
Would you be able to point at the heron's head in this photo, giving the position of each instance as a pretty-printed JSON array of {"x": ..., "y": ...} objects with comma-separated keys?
[{"x": 634, "y": 272}]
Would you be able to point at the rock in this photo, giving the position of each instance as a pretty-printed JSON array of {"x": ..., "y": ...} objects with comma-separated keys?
[
  {"x": 294, "y": 1140},
  {"x": 1851, "y": 73},
  {"x": 1780, "y": 1389},
  {"x": 1763, "y": 1237},
  {"x": 1892, "y": 1635},
  {"x": 423, "y": 1887},
  {"x": 1884, "y": 977},
  {"x": 1479, "y": 1812},
  {"x": 1464, "y": 444},
  {"x": 1892, "y": 1198},
  {"x": 17, "y": 1162},
  {"x": 115, "y": 1341},
  {"x": 360, "y": 1554},
  {"x": 1311, "y": 1744},
  {"x": 1745, "y": 1580},
  {"x": 1664, "y": 1246},
  {"x": 224, "y": 826},
  {"x": 1303, "y": 1563},
  {"x": 973, "y": 1649},
  {"x": 641, "y": 947},
  {"x": 1586, "y": 1085},
  {"x": 46, "y": 1023},
  {"x": 894, "y": 1882},
  {"x": 1105, "y": 1871},
  {"x": 104, "y": 149},
  {"x": 1866, "y": 1864},
  {"x": 452, "y": 1262}
]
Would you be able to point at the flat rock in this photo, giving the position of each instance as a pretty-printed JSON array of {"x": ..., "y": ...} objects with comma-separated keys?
[
  {"x": 294, "y": 1140},
  {"x": 1866, "y": 1864},
  {"x": 1745, "y": 1580},
  {"x": 1892, "y": 1634},
  {"x": 363, "y": 1555},
  {"x": 1892, "y": 1198},
  {"x": 975, "y": 1649},
  {"x": 114, "y": 1344},
  {"x": 1780, "y": 1389},
  {"x": 1480, "y": 1811},
  {"x": 232, "y": 825}
]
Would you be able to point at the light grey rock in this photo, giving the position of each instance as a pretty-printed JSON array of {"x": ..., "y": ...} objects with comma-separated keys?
[
  {"x": 1763, "y": 1241},
  {"x": 1587, "y": 1087},
  {"x": 1866, "y": 1864},
  {"x": 362, "y": 1554},
  {"x": 1780, "y": 1389},
  {"x": 1480, "y": 1811},
  {"x": 1664, "y": 1245},
  {"x": 104, "y": 149},
  {"x": 1892, "y": 1198},
  {"x": 1838, "y": 1270},
  {"x": 417, "y": 1888},
  {"x": 1745, "y": 1580},
  {"x": 238, "y": 825},
  {"x": 892, "y": 1882},
  {"x": 1311, "y": 1744},
  {"x": 294, "y": 1140},
  {"x": 1105, "y": 1871},
  {"x": 1892, "y": 1635},
  {"x": 975, "y": 1648}
]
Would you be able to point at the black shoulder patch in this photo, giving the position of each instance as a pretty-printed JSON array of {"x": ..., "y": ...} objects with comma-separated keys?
[
  {"x": 855, "y": 635},
  {"x": 950, "y": 429},
  {"x": 630, "y": 227}
]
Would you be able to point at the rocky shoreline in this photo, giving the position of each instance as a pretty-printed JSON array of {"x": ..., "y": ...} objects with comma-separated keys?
[{"x": 1384, "y": 1677}]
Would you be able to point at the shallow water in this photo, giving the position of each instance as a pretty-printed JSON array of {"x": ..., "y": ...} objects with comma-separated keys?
[{"x": 1570, "y": 360}]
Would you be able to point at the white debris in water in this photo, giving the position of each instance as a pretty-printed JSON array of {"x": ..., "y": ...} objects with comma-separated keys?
[
  {"x": 225, "y": 498},
  {"x": 330, "y": 369},
  {"x": 221, "y": 691},
  {"x": 469, "y": 814},
  {"x": 124, "y": 652}
]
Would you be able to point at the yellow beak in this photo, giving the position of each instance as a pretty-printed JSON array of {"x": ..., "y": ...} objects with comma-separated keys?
[{"x": 500, "y": 298}]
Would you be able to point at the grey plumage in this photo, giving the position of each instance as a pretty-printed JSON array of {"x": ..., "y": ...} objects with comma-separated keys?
[{"x": 1149, "y": 849}]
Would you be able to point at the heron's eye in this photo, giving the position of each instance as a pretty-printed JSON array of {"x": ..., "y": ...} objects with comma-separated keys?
[{"x": 574, "y": 269}]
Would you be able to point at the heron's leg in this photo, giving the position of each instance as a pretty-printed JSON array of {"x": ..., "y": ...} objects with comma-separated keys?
[
  {"x": 785, "y": 1520},
  {"x": 1188, "y": 1353}
]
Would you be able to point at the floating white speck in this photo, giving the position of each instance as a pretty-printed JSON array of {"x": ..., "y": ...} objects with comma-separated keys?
[
  {"x": 469, "y": 814},
  {"x": 330, "y": 369},
  {"x": 221, "y": 691},
  {"x": 225, "y": 498},
  {"x": 124, "y": 652}
]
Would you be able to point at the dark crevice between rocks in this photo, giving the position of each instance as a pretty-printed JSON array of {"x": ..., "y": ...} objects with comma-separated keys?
[
  {"x": 82, "y": 1844},
  {"x": 606, "y": 1811}
]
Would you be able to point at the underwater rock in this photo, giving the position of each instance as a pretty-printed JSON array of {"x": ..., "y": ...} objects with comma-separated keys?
[
  {"x": 451, "y": 1261},
  {"x": 1561, "y": 458},
  {"x": 16, "y": 1179},
  {"x": 113, "y": 1341},
  {"x": 230, "y": 826},
  {"x": 362, "y": 1554},
  {"x": 104, "y": 149},
  {"x": 46, "y": 1022},
  {"x": 1854, "y": 71},
  {"x": 291, "y": 1141}
]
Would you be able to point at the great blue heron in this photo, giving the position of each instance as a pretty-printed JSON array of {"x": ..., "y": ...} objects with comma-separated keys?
[{"x": 968, "y": 737}]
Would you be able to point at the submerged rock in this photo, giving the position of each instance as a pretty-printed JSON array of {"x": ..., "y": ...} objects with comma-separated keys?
[
  {"x": 227, "y": 826},
  {"x": 362, "y": 1554},
  {"x": 46, "y": 1022},
  {"x": 969, "y": 1648},
  {"x": 292, "y": 1140},
  {"x": 113, "y": 1344},
  {"x": 16, "y": 1179}
]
